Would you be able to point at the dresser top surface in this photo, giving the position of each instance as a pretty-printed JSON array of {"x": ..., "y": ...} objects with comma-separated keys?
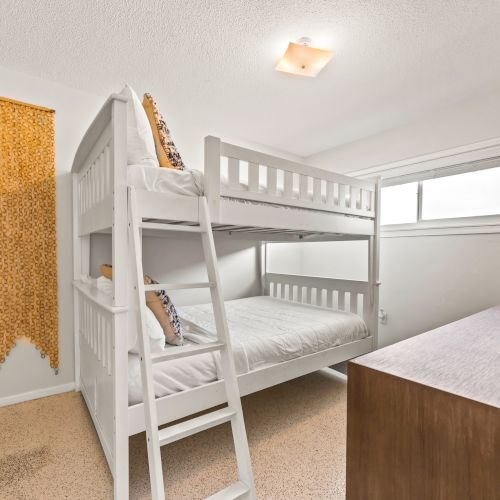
[{"x": 461, "y": 358}]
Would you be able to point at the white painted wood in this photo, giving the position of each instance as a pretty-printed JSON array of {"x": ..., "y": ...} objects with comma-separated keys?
[
  {"x": 263, "y": 266},
  {"x": 239, "y": 214},
  {"x": 100, "y": 203},
  {"x": 118, "y": 374},
  {"x": 304, "y": 200},
  {"x": 182, "y": 404},
  {"x": 97, "y": 218},
  {"x": 288, "y": 184},
  {"x": 303, "y": 188},
  {"x": 40, "y": 393},
  {"x": 233, "y": 492},
  {"x": 120, "y": 209},
  {"x": 249, "y": 155},
  {"x": 212, "y": 178},
  {"x": 272, "y": 180},
  {"x": 253, "y": 177},
  {"x": 317, "y": 198},
  {"x": 329, "y": 194},
  {"x": 374, "y": 268},
  {"x": 153, "y": 205},
  {"x": 151, "y": 418},
  {"x": 194, "y": 425},
  {"x": 100, "y": 122},
  {"x": 186, "y": 350},
  {"x": 227, "y": 360},
  {"x": 233, "y": 173},
  {"x": 171, "y": 227},
  {"x": 178, "y": 286},
  {"x": 77, "y": 258},
  {"x": 98, "y": 297}
]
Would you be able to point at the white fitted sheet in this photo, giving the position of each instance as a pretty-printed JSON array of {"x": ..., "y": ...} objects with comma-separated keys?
[{"x": 264, "y": 331}]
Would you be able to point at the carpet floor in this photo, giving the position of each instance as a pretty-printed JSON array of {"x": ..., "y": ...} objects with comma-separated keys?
[{"x": 50, "y": 450}]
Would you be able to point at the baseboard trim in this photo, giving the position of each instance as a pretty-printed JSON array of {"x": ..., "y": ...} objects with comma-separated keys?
[{"x": 40, "y": 393}]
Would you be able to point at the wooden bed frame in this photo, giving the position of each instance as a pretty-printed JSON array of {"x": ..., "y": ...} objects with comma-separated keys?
[{"x": 334, "y": 207}]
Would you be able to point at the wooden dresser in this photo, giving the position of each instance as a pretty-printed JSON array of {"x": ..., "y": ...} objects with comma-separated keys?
[{"x": 423, "y": 417}]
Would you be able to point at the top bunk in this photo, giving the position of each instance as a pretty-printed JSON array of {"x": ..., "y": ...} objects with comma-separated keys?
[{"x": 249, "y": 193}]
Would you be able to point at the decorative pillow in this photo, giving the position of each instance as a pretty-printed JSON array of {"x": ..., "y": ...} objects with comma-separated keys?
[
  {"x": 167, "y": 153},
  {"x": 161, "y": 306},
  {"x": 140, "y": 141},
  {"x": 153, "y": 327}
]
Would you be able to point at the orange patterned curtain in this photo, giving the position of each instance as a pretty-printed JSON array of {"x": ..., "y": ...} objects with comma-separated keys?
[{"x": 28, "y": 265}]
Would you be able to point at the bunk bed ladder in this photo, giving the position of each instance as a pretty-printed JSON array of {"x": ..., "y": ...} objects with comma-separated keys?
[{"x": 244, "y": 488}]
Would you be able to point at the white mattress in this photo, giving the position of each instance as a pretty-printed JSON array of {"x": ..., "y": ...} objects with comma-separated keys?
[{"x": 264, "y": 331}]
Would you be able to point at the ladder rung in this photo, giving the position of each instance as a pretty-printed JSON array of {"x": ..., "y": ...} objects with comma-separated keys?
[
  {"x": 194, "y": 425},
  {"x": 186, "y": 350},
  {"x": 232, "y": 492},
  {"x": 171, "y": 227},
  {"x": 177, "y": 286}
]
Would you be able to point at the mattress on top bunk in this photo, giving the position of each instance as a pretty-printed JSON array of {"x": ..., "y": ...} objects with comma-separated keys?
[
  {"x": 186, "y": 182},
  {"x": 264, "y": 331}
]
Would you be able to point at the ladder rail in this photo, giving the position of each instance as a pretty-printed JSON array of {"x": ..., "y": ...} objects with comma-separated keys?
[
  {"x": 227, "y": 361},
  {"x": 156, "y": 437},
  {"x": 151, "y": 416}
]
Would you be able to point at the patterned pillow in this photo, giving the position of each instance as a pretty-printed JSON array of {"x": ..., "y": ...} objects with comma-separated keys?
[
  {"x": 167, "y": 153},
  {"x": 161, "y": 306}
]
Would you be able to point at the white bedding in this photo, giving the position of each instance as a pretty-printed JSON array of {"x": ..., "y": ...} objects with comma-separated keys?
[{"x": 263, "y": 330}]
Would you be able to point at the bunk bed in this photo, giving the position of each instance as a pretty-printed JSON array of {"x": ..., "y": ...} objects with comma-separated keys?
[{"x": 249, "y": 195}]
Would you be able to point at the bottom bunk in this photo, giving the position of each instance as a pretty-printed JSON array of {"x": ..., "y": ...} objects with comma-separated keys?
[
  {"x": 304, "y": 324},
  {"x": 265, "y": 331}
]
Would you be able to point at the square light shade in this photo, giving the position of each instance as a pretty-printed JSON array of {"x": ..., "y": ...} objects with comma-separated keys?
[{"x": 304, "y": 60}]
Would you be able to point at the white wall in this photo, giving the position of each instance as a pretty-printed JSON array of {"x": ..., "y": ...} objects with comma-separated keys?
[
  {"x": 179, "y": 260},
  {"x": 427, "y": 281},
  {"x": 341, "y": 259},
  {"x": 469, "y": 122},
  {"x": 24, "y": 370}
]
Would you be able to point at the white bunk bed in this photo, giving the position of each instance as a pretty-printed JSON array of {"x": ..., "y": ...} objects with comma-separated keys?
[{"x": 249, "y": 194}]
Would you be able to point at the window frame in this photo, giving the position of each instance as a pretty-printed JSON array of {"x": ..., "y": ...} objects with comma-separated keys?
[
  {"x": 462, "y": 159},
  {"x": 453, "y": 225}
]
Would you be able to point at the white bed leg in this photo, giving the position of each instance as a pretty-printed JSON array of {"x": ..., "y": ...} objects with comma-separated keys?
[{"x": 121, "y": 437}]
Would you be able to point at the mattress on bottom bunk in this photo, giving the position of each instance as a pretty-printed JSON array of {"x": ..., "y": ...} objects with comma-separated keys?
[{"x": 264, "y": 331}]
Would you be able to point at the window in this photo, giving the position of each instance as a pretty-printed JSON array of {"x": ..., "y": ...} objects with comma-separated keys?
[
  {"x": 464, "y": 194},
  {"x": 399, "y": 204}
]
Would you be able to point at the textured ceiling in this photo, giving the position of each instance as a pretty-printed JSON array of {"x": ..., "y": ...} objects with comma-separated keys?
[{"x": 210, "y": 63}]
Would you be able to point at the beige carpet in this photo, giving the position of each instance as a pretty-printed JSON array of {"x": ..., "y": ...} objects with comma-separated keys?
[{"x": 49, "y": 448}]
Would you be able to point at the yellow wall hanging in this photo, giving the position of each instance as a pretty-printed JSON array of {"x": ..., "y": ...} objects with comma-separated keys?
[{"x": 28, "y": 265}]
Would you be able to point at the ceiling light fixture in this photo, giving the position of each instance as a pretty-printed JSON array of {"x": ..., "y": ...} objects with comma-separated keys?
[{"x": 302, "y": 59}]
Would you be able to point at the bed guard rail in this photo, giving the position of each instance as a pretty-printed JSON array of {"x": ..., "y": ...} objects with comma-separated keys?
[
  {"x": 344, "y": 295},
  {"x": 235, "y": 172}
]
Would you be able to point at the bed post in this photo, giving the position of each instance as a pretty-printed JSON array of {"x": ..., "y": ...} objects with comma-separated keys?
[
  {"x": 120, "y": 298},
  {"x": 373, "y": 266},
  {"x": 263, "y": 266},
  {"x": 212, "y": 175},
  {"x": 81, "y": 268},
  {"x": 120, "y": 218}
]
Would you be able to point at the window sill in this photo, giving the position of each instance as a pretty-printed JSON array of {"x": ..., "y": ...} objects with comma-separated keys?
[{"x": 468, "y": 225}]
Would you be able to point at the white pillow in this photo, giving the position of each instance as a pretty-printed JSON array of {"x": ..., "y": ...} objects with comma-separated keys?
[
  {"x": 153, "y": 327},
  {"x": 155, "y": 334},
  {"x": 140, "y": 142}
]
